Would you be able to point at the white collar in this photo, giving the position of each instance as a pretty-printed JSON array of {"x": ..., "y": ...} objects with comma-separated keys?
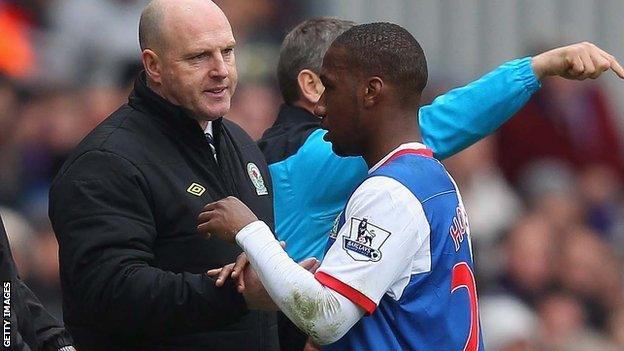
[{"x": 406, "y": 146}]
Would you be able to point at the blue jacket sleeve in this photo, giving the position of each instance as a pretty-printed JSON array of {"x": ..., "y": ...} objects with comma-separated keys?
[
  {"x": 466, "y": 115},
  {"x": 316, "y": 182}
]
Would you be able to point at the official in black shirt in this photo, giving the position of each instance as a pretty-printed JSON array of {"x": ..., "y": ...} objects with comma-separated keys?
[{"x": 125, "y": 203}]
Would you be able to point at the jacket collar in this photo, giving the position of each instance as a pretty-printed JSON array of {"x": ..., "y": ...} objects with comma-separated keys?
[
  {"x": 289, "y": 114},
  {"x": 174, "y": 117}
]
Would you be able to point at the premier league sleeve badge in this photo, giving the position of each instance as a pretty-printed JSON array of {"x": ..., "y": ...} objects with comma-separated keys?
[{"x": 364, "y": 240}]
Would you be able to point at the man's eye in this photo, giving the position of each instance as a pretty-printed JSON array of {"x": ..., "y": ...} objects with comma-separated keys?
[
  {"x": 228, "y": 51},
  {"x": 198, "y": 56}
]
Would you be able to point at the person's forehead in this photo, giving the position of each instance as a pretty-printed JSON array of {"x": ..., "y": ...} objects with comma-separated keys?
[
  {"x": 206, "y": 38},
  {"x": 198, "y": 29}
]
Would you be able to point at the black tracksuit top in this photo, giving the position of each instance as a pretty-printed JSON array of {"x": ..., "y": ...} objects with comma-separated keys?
[{"x": 124, "y": 208}]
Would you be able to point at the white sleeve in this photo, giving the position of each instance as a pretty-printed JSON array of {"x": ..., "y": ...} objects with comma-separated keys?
[
  {"x": 384, "y": 240},
  {"x": 318, "y": 311}
]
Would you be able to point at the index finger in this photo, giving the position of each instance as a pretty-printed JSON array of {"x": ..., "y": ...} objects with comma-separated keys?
[
  {"x": 211, "y": 206},
  {"x": 240, "y": 287},
  {"x": 204, "y": 217},
  {"x": 214, "y": 272},
  {"x": 239, "y": 265},
  {"x": 615, "y": 65},
  {"x": 223, "y": 275},
  {"x": 617, "y": 68}
]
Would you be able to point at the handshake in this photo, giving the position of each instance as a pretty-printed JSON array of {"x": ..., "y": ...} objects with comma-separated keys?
[{"x": 224, "y": 219}]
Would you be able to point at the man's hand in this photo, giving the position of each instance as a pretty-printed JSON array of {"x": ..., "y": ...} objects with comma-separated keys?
[
  {"x": 253, "y": 291},
  {"x": 225, "y": 218},
  {"x": 233, "y": 270},
  {"x": 248, "y": 282},
  {"x": 255, "y": 295},
  {"x": 578, "y": 61}
]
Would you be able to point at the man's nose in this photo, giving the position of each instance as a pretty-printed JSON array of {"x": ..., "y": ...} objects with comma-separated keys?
[{"x": 219, "y": 68}]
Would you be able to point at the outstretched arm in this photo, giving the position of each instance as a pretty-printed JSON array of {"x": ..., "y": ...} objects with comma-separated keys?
[{"x": 466, "y": 115}]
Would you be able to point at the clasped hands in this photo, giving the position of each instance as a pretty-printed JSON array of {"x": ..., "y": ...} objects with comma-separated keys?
[{"x": 224, "y": 219}]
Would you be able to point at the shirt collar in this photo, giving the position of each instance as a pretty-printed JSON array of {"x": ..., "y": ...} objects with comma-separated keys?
[{"x": 407, "y": 148}]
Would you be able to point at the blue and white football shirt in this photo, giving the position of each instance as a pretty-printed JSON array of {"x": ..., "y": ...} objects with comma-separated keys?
[
  {"x": 311, "y": 183},
  {"x": 401, "y": 251}
]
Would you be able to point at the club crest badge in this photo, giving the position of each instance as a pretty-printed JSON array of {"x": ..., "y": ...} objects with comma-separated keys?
[
  {"x": 256, "y": 179},
  {"x": 364, "y": 241}
]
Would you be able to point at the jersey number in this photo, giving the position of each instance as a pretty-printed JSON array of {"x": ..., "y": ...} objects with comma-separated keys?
[{"x": 464, "y": 278}]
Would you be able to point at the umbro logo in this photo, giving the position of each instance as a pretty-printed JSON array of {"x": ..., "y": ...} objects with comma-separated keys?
[{"x": 196, "y": 189}]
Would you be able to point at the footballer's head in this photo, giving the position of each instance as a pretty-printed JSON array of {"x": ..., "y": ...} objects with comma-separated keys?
[{"x": 370, "y": 72}]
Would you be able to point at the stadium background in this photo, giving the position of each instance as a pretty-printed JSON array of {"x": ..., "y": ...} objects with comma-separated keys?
[{"x": 544, "y": 195}]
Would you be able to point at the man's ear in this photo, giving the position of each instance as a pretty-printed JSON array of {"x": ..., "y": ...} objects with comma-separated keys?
[
  {"x": 373, "y": 91},
  {"x": 310, "y": 86},
  {"x": 151, "y": 63}
]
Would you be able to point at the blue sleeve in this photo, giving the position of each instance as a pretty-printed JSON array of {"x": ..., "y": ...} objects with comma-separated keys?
[
  {"x": 310, "y": 189},
  {"x": 466, "y": 115},
  {"x": 324, "y": 177}
]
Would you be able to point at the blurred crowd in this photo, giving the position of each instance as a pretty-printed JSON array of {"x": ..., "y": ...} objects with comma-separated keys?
[
  {"x": 546, "y": 206},
  {"x": 544, "y": 196}
]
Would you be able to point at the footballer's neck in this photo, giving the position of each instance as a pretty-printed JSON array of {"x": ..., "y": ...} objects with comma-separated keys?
[{"x": 391, "y": 132}]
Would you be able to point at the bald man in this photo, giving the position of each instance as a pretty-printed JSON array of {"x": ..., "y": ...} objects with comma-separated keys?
[{"x": 124, "y": 204}]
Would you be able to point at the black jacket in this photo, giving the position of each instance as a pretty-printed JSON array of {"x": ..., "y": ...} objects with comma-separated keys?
[
  {"x": 124, "y": 208},
  {"x": 31, "y": 327}
]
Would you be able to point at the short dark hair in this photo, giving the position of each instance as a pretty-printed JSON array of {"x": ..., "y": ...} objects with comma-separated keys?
[
  {"x": 389, "y": 51},
  {"x": 304, "y": 48}
]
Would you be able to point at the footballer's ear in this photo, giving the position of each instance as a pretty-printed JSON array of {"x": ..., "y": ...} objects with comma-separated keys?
[
  {"x": 310, "y": 86},
  {"x": 372, "y": 91},
  {"x": 151, "y": 63}
]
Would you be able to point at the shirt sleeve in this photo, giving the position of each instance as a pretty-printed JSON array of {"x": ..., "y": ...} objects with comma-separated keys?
[
  {"x": 385, "y": 230},
  {"x": 465, "y": 115},
  {"x": 317, "y": 310}
]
